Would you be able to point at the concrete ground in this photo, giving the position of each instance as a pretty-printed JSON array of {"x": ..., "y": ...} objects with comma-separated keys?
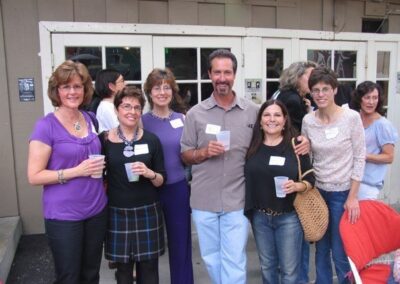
[{"x": 33, "y": 264}]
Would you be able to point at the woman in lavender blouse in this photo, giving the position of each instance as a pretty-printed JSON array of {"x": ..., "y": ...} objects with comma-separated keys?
[
  {"x": 162, "y": 91},
  {"x": 73, "y": 202}
]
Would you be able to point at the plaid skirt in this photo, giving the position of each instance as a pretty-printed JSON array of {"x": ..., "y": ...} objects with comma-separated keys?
[{"x": 135, "y": 234}]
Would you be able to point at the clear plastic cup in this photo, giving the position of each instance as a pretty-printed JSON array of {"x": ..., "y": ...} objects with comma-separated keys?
[
  {"x": 225, "y": 138},
  {"x": 279, "y": 181},
  {"x": 132, "y": 177},
  {"x": 97, "y": 157}
]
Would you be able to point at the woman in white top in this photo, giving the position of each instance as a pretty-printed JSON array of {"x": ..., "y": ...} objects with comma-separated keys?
[
  {"x": 380, "y": 137},
  {"x": 108, "y": 83},
  {"x": 338, "y": 152}
]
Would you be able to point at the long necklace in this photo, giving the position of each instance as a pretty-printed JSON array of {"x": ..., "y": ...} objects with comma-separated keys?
[{"x": 128, "y": 150}]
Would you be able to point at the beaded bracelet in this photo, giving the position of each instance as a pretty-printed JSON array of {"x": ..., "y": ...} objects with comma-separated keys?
[{"x": 60, "y": 176}]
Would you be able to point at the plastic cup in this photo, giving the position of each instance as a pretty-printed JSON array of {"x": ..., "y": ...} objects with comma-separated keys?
[
  {"x": 279, "y": 181},
  {"x": 132, "y": 177},
  {"x": 97, "y": 157},
  {"x": 225, "y": 138}
]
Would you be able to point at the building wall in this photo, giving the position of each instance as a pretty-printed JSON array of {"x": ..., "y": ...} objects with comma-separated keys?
[{"x": 19, "y": 48}]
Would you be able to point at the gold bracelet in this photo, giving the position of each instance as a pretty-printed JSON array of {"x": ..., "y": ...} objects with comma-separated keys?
[{"x": 306, "y": 184}]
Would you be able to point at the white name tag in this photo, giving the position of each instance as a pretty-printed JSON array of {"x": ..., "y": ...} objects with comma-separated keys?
[
  {"x": 176, "y": 123},
  {"x": 331, "y": 133},
  {"x": 141, "y": 149},
  {"x": 276, "y": 161},
  {"x": 213, "y": 129}
]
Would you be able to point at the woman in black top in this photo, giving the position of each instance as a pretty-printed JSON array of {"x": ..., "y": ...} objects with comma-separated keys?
[
  {"x": 276, "y": 227},
  {"x": 135, "y": 230},
  {"x": 293, "y": 87}
]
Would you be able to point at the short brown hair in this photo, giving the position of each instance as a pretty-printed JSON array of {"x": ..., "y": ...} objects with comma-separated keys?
[
  {"x": 129, "y": 92},
  {"x": 63, "y": 74},
  {"x": 323, "y": 75}
]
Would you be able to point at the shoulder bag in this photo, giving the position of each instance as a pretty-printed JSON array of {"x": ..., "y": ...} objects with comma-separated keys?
[{"x": 311, "y": 209}]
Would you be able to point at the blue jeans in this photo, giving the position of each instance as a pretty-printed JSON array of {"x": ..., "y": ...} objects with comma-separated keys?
[
  {"x": 278, "y": 240},
  {"x": 331, "y": 243},
  {"x": 222, "y": 240},
  {"x": 77, "y": 247},
  {"x": 305, "y": 263}
]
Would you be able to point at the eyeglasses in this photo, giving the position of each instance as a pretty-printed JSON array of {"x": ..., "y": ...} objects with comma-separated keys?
[
  {"x": 128, "y": 107},
  {"x": 158, "y": 89},
  {"x": 66, "y": 88},
  {"x": 324, "y": 90}
]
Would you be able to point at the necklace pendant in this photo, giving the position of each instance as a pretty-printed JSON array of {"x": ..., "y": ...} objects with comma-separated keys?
[
  {"x": 77, "y": 126},
  {"x": 128, "y": 151}
]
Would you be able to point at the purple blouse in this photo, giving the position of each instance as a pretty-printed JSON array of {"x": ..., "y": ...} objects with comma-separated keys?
[
  {"x": 78, "y": 198},
  {"x": 169, "y": 131}
]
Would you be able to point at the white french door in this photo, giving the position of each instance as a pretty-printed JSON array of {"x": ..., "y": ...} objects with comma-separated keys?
[{"x": 187, "y": 57}]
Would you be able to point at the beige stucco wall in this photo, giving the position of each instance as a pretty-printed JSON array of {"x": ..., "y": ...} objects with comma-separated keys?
[{"x": 19, "y": 48}]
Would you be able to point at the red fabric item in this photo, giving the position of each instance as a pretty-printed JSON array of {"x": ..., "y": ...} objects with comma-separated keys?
[
  {"x": 376, "y": 274},
  {"x": 375, "y": 233}
]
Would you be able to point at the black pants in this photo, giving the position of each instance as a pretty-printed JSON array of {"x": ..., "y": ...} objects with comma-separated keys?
[
  {"x": 146, "y": 272},
  {"x": 77, "y": 248}
]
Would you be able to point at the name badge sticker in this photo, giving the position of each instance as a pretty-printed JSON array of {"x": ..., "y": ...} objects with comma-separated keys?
[
  {"x": 213, "y": 129},
  {"x": 331, "y": 133},
  {"x": 176, "y": 123},
  {"x": 141, "y": 149},
  {"x": 276, "y": 161}
]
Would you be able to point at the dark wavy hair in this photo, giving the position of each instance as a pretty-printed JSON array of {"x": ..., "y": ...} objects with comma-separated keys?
[
  {"x": 363, "y": 89},
  {"x": 257, "y": 138}
]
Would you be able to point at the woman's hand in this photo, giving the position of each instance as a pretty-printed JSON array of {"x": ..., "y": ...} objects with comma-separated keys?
[
  {"x": 141, "y": 169},
  {"x": 90, "y": 167},
  {"x": 353, "y": 209},
  {"x": 303, "y": 147},
  {"x": 290, "y": 186}
]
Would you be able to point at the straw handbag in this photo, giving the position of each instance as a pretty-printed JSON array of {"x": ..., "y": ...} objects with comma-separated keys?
[{"x": 311, "y": 209}]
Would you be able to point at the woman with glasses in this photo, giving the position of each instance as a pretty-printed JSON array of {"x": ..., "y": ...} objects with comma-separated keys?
[
  {"x": 162, "y": 93},
  {"x": 74, "y": 203},
  {"x": 338, "y": 150},
  {"x": 108, "y": 83},
  {"x": 380, "y": 137},
  {"x": 135, "y": 234}
]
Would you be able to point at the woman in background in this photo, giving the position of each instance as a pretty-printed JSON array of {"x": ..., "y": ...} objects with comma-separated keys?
[
  {"x": 293, "y": 87},
  {"x": 108, "y": 83},
  {"x": 162, "y": 92},
  {"x": 74, "y": 203},
  {"x": 380, "y": 137},
  {"x": 276, "y": 226},
  {"x": 135, "y": 233}
]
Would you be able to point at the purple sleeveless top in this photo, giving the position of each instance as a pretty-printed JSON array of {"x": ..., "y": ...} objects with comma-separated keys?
[{"x": 170, "y": 140}]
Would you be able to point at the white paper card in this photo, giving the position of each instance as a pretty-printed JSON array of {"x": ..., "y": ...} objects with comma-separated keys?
[
  {"x": 141, "y": 149},
  {"x": 276, "y": 161},
  {"x": 331, "y": 132},
  {"x": 213, "y": 129},
  {"x": 176, "y": 123}
]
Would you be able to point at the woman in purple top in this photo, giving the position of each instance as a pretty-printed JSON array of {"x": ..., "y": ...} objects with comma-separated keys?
[
  {"x": 73, "y": 202},
  {"x": 162, "y": 92}
]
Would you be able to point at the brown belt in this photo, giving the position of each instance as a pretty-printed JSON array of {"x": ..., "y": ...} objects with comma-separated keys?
[{"x": 270, "y": 212}]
